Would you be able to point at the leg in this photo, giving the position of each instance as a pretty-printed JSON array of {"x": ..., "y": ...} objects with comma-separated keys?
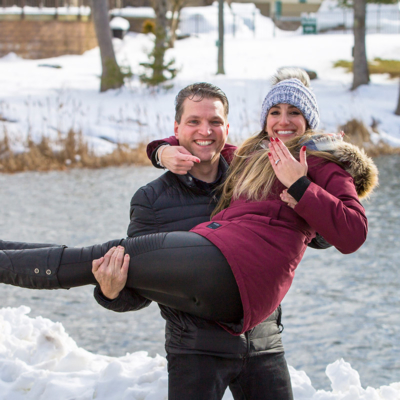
[
  {"x": 264, "y": 377},
  {"x": 4, "y": 245},
  {"x": 199, "y": 376},
  {"x": 180, "y": 269}
]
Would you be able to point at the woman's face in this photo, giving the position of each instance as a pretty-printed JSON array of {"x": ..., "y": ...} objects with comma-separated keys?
[{"x": 285, "y": 122}]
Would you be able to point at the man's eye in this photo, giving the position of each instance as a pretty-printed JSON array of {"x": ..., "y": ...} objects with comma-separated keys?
[
  {"x": 274, "y": 113},
  {"x": 217, "y": 123}
]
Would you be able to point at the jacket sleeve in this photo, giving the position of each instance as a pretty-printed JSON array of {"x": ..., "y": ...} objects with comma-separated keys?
[
  {"x": 128, "y": 300},
  {"x": 143, "y": 219},
  {"x": 330, "y": 205},
  {"x": 143, "y": 222},
  {"x": 227, "y": 152},
  {"x": 153, "y": 146}
]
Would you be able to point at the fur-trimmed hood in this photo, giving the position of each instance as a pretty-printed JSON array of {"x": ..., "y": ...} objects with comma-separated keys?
[{"x": 361, "y": 167}]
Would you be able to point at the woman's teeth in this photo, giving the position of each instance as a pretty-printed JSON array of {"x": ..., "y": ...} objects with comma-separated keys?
[{"x": 285, "y": 132}]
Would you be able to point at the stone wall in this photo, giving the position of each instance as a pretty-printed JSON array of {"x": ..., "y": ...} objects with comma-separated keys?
[{"x": 44, "y": 39}]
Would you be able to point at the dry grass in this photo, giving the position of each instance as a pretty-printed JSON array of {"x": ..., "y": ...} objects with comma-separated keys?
[
  {"x": 377, "y": 66},
  {"x": 72, "y": 152},
  {"x": 359, "y": 134}
]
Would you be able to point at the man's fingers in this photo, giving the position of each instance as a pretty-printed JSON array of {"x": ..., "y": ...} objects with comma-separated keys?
[
  {"x": 125, "y": 265},
  {"x": 119, "y": 258},
  {"x": 107, "y": 257},
  {"x": 96, "y": 264}
]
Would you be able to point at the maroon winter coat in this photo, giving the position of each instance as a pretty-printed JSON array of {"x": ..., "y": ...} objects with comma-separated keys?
[{"x": 264, "y": 241}]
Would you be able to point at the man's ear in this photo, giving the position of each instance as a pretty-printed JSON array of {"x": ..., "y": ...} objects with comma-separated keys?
[
  {"x": 227, "y": 129},
  {"x": 176, "y": 126}
]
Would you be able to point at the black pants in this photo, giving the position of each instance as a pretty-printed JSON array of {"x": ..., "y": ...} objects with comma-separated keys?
[
  {"x": 181, "y": 270},
  {"x": 204, "y": 377}
]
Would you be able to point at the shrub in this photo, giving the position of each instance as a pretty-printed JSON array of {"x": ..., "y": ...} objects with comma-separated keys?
[
  {"x": 149, "y": 26},
  {"x": 377, "y": 66}
]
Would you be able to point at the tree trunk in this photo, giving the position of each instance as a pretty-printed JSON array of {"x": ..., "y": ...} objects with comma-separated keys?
[
  {"x": 397, "y": 112},
  {"x": 160, "y": 8},
  {"x": 221, "y": 69},
  {"x": 177, "y": 6},
  {"x": 360, "y": 65},
  {"x": 111, "y": 76}
]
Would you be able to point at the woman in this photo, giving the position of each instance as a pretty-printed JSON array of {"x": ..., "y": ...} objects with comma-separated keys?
[{"x": 238, "y": 267}]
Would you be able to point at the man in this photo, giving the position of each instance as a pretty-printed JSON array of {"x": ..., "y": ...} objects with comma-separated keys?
[{"x": 203, "y": 359}]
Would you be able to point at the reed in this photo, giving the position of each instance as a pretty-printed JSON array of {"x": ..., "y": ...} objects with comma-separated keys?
[
  {"x": 67, "y": 151},
  {"x": 357, "y": 133}
]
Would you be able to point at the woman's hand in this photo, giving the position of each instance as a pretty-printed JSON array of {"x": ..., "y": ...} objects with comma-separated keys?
[
  {"x": 177, "y": 159},
  {"x": 111, "y": 271},
  {"x": 287, "y": 198},
  {"x": 287, "y": 169}
]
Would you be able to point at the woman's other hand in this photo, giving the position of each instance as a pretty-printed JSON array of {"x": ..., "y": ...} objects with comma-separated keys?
[
  {"x": 111, "y": 271},
  {"x": 287, "y": 198},
  {"x": 287, "y": 169},
  {"x": 177, "y": 159}
]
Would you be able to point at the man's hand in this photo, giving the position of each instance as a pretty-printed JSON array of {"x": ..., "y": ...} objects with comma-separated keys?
[
  {"x": 178, "y": 160},
  {"x": 287, "y": 198},
  {"x": 111, "y": 271}
]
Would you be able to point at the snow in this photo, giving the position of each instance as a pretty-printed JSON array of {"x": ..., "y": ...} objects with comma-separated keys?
[
  {"x": 120, "y": 23},
  {"x": 46, "y": 10},
  {"x": 134, "y": 12},
  {"x": 44, "y": 101},
  {"x": 330, "y": 15},
  {"x": 39, "y": 360}
]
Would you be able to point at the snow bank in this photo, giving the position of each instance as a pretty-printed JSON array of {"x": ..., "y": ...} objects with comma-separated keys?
[
  {"x": 41, "y": 101},
  {"x": 38, "y": 360}
]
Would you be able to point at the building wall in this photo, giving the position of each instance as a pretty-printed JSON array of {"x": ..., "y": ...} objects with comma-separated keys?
[
  {"x": 290, "y": 8},
  {"x": 44, "y": 39}
]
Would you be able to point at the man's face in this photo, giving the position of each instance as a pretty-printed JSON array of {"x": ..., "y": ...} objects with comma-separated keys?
[{"x": 203, "y": 129}]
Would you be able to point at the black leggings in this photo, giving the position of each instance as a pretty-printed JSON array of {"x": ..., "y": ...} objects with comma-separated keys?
[{"x": 181, "y": 270}]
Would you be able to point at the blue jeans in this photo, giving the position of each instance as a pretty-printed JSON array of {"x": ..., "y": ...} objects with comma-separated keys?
[{"x": 204, "y": 377}]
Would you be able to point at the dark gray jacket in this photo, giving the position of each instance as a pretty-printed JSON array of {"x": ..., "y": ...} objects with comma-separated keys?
[{"x": 178, "y": 203}]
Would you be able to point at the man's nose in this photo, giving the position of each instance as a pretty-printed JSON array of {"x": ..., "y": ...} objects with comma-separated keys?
[{"x": 205, "y": 129}]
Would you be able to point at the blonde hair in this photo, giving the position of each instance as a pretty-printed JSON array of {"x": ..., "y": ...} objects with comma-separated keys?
[{"x": 251, "y": 175}]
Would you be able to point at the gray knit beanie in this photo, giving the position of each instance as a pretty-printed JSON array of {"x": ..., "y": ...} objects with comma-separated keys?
[{"x": 293, "y": 92}]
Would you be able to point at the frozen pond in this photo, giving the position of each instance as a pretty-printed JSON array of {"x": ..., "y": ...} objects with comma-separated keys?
[{"x": 339, "y": 306}]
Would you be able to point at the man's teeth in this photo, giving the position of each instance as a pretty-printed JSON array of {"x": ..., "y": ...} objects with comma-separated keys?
[
  {"x": 203, "y": 142},
  {"x": 285, "y": 132}
]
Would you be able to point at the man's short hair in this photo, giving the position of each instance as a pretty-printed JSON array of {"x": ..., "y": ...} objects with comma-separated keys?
[{"x": 198, "y": 92}]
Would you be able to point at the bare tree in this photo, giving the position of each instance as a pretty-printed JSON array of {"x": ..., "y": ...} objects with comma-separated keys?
[
  {"x": 397, "y": 112},
  {"x": 111, "y": 75},
  {"x": 221, "y": 69},
  {"x": 177, "y": 6},
  {"x": 360, "y": 64}
]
